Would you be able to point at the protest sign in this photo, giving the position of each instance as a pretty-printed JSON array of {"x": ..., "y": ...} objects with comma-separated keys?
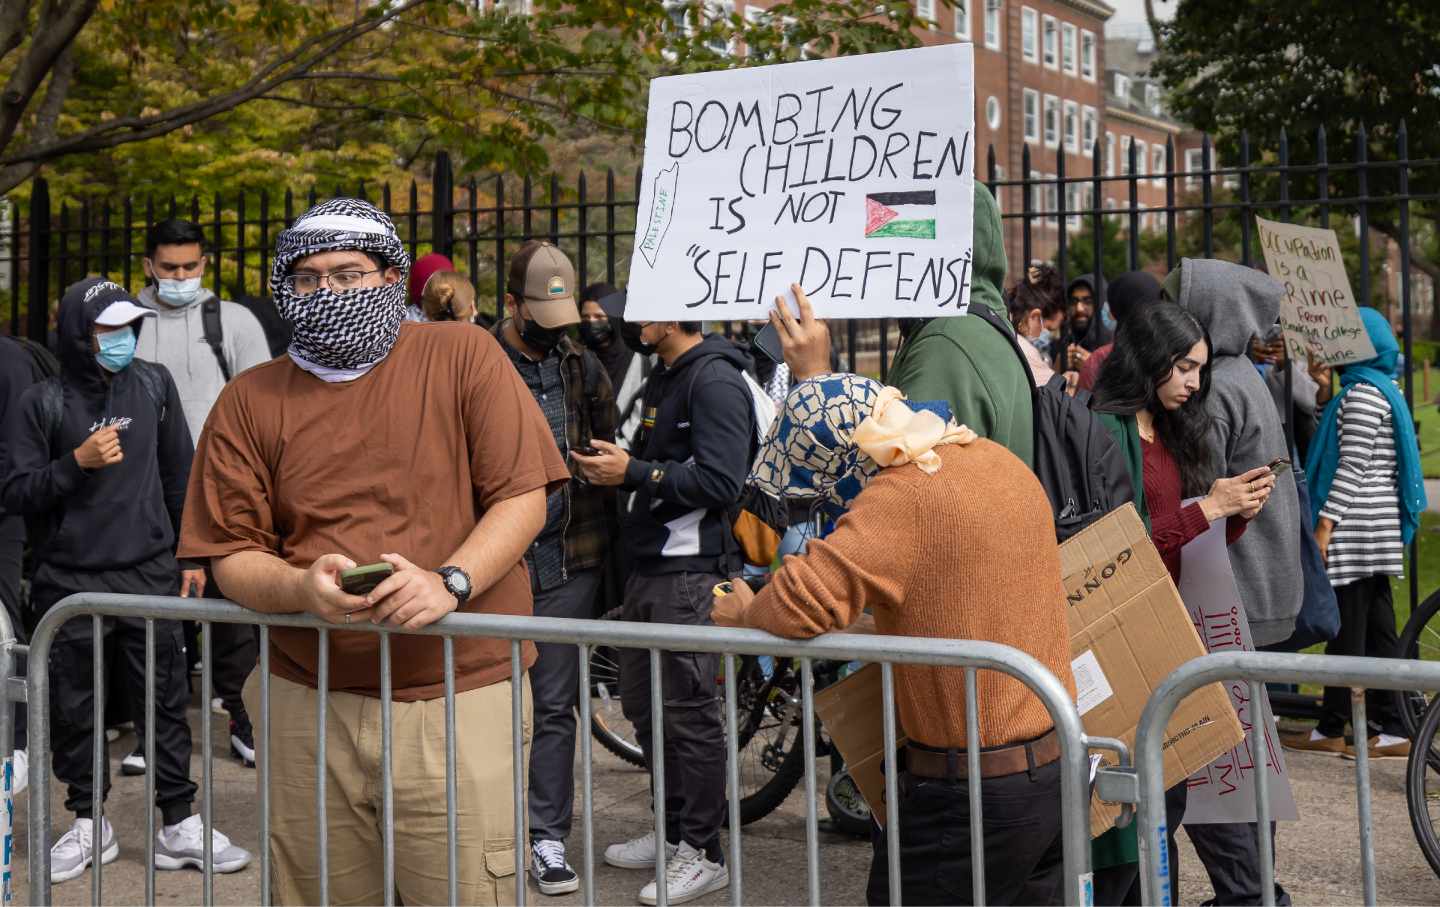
[
  {"x": 1318, "y": 311},
  {"x": 853, "y": 177},
  {"x": 1224, "y": 791}
]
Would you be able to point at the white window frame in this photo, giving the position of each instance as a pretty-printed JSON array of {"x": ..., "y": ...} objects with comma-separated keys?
[
  {"x": 962, "y": 20},
  {"x": 1087, "y": 55},
  {"x": 1069, "y": 49},
  {"x": 1036, "y": 190},
  {"x": 720, "y": 9},
  {"x": 1050, "y": 117},
  {"x": 1142, "y": 162},
  {"x": 1089, "y": 130},
  {"x": 1122, "y": 85},
  {"x": 1157, "y": 164},
  {"x": 995, "y": 121},
  {"x": 1070, "y": 126},
  {"x": 999, "y": 178},
  {"x": 1122, "y": 162},
  {"x": 1029, "y": 28},
  {"x": 1031, "y": 114},
  {"x": 1052, "y": 201},
  {"x": 1152, "y": 97},
  {"x": 1050, "y": 42},
  {"x": 1194, "y": 163},
  {"x": 516, "y": 7},
  {"x": 1109, "y": 153},
  {"x": 925, "y": 9},
  {"x": 992, "y": 23}
]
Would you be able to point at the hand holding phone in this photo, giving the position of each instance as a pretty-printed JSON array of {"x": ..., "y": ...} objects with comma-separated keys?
[
  {"x": 767, "y": 341},
  {"x": 1279, "y": 465},
  {"x": 362, "y": 580}
]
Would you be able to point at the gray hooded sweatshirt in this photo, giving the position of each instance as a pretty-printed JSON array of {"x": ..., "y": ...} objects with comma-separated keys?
[
  {"x": 1234, "y": 303},
  {"x": 176, "y": 340}
]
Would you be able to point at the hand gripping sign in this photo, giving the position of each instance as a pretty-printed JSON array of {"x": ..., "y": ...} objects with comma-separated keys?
[{"x": 853, "y": 177}]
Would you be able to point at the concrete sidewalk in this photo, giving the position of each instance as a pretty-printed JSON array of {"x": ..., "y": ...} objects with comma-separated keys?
[{"x": 1318, "y": 856}]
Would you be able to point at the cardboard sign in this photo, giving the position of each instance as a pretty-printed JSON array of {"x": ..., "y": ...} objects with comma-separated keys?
[
  {"x": 1318, "y": 310},
  {"x": 1128, "y": 631},
  {"x": 853, "y": 177},
  {"x": 1224, "y": 791}
]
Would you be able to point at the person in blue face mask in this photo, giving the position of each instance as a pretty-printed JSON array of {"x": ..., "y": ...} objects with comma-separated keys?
[
  {"x": 204, "y": 342},
  {"x": 97, "y": 461}
]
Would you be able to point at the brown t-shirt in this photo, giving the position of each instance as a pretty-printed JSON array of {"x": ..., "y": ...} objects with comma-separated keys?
[{"x": 406, "y": 459}]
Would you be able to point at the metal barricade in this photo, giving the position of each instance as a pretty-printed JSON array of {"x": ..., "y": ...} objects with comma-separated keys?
[
  {"x": 584, "y": 634},
  {"x": 9, "y": 693},
  {"x": 1258, "y": 668}
]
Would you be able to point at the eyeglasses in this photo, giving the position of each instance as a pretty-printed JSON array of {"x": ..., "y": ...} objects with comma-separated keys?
[{"x": 339, "y": 281}]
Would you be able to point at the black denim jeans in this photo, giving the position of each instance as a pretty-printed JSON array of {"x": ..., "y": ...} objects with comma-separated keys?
[{"x": 1022, "y": 848}]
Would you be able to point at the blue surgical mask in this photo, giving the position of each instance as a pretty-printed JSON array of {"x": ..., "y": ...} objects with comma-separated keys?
[
  {"x": 117, "y": 348},
  {"x": 178, "y": 293},
  {"x": 1043, "y": 341},
  {"x": 1106, "y": 318}
]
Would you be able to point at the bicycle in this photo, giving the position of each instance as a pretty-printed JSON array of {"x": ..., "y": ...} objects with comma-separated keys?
[
  {"x": 1422, "y": 786},
  {"x": 1420, "y": 640}
]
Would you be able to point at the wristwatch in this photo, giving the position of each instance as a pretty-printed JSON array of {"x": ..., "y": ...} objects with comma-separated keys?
[{"x": 457, "y": 583}]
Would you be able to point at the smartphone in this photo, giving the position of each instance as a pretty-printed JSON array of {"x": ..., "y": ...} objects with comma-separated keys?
[
  {"x": 767, "y": 341},
  {"x": 1279, "y": 465},
  {"x": 364, "y": 579},
  {"x": 585, "y": 450}
]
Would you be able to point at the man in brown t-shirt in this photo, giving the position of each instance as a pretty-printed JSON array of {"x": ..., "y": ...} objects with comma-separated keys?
[{"x": 375, "y": 440}]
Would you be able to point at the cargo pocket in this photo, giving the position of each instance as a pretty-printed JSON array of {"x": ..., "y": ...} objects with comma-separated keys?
[{"x": 499, "y": 873}]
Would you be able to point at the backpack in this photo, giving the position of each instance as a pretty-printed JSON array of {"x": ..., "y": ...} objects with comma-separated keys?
[
  {"x": 1077, "y": 460},
  {"x": 215, "y": 333},
  {"x": 42, "y": 362}
]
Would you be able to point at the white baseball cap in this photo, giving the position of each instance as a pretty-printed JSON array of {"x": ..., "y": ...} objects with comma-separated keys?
[{"x": 120, "y": 313}]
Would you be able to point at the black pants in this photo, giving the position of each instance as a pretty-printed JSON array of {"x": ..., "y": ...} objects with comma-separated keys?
[
  {"x": 1023, "y": 854},
  {"x": 1119, "y": 886},
  {"x": 12, "y": 552},
  {"x": 1367, "y": 627},
  {"x": 694, "y": 729},
  {"x": 1231, "y": 855},
  {"x": 72, "y": 688},
  {"x": 234, "y": 651}
]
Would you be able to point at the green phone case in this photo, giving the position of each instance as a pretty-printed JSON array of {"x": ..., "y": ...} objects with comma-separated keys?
[{"x": 361, "y": 580}]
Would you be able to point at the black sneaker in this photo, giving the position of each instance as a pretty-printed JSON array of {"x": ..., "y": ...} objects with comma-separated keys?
[
  {"x": 242, "y": 742},
  {"x": 552, "y": 874}
]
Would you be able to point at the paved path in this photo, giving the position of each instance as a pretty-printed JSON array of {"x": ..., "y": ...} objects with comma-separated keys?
[{"x": 1318, "y": 856}]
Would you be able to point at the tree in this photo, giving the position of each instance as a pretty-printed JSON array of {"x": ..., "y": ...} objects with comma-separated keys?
[{"x": 281, "y": 85}]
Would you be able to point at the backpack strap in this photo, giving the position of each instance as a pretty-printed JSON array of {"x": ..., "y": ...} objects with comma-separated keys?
[
  {"x": 52, "y": 410},
  {"x": 214, "y": 333},
  {"x": 988, "y": 315},
  {"x": 153, "y": 382}
]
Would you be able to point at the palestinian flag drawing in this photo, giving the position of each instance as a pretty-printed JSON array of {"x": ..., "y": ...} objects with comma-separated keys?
[{"x": 900, "y": 215}]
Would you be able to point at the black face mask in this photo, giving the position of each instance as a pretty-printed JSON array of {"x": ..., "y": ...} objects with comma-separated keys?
[
  {"x": 541, "y": 338},
  {"x": 595, "y": 334},
  {"x": 630, "y": 333}
]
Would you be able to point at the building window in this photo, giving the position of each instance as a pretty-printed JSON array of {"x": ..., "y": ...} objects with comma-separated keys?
[
  {"x": 1067, "y": 47},
  {"x": 992, "y": 24},
  {"x": 1089, "y": 127},
  {"x": 516, "y": 7},
  {"x": 1072, "y": 126},
  {"x": 1194, "y": 163},
  {"x": 962, "y": 19},
  {"x": 1125, "y": 155},
  {"x": 1052, "y": 200},
  {"x": 1109, "y": 154},
  {"x": 717, "y": 10},
  {"x": 1087, "y": 55},
  {"x": 1029, "y": 37},
  {"x": 1140, "y": 160},
  {"x": 1157, "y": 163},
  {"x": 1050, "y": 43},
  {"x": 999, "y": 178},
  {"x": 992, "y": 112},
  {"x": 925, "y": 9},
  {"x": 1152, "y": 98},
  {"x": 1075, "y": 195},
  {"x": 1122, "y": 85},
  {"x": 1033, "y": 190},
  {"x": 1032, "y": 115},
  {"x": 1052, "y": 121}
]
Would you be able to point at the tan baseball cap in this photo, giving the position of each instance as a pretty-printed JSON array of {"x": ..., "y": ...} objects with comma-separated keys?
[{"x": 542, "y": 277}]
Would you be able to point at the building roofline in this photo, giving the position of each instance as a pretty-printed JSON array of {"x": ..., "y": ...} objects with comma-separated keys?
[
  {"x": 1121, "y": 113},
  {"x": 1097, "y": 8}
]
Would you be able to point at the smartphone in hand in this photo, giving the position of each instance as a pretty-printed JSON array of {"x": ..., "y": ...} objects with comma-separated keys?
[
  {"x": 1279, "y": 465},
  {"x": 767, "y": 341},
  {"x": 362, "y": 580}
]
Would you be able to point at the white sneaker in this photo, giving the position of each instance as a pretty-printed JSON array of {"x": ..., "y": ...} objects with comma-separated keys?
[
  {"x": 133, "y": 765},
  {"x": 19, "y": 773},
  {"x": 183, "y": 845},
  {"x": 553, "y": 875},
  {"x": 73, "y": 852},
  {"x": 689, "y": 875},
  {"x": 636, "y": 854}
]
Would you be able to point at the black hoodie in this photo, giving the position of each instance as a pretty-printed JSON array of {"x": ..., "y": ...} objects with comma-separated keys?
[
  {"x": 696, "y": 443},
  {"x": 1095, "y": 334},
  {"x": 105, "y": 519}
]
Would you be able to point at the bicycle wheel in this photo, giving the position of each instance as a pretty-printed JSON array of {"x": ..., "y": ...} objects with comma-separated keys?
[
  {"x": 1420, "y": 639},
  {"x": 608, "y": 724},
  {"x": 1422, "y": 787},
  {"x": 771, "y": 746}
]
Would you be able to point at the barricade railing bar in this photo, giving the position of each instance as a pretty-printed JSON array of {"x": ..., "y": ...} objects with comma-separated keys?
[
  {"x": 970, "y": 655},
  {"x": 1257, "y": 669}
]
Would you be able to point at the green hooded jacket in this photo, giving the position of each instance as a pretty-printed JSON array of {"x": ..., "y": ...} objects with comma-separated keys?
[{"x": 966, "y": 361}]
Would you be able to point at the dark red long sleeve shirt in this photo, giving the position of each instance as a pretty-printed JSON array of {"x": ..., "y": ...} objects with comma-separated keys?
[{"x": 1171, "y": 525}]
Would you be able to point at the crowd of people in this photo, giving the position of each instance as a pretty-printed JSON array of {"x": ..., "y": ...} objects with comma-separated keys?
[{"x": 567, "y": 462}]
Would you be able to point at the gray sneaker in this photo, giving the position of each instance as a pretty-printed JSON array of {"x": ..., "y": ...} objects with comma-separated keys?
[
  {"x": 73, "y": 852},
  {"x": 184, "y": 847}
]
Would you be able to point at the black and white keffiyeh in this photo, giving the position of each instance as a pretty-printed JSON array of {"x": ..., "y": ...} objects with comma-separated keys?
[{"x": 349, "y": 331}]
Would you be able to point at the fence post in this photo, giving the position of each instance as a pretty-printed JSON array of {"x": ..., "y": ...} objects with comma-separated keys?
[
  {"x": 442, "y": 189},
  {"x": 39, "y": 316},
  {"x": 1402, "y": 140}
]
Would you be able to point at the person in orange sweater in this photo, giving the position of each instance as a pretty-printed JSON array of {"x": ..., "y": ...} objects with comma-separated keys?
[{"x": 934, "y": 518}]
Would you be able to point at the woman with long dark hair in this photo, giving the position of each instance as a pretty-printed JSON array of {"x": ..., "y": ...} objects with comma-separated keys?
[{"x": 1151, "y": 394}]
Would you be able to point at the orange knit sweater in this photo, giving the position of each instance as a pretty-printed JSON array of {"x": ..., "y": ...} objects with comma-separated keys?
[{"x": 968, "y": 553}]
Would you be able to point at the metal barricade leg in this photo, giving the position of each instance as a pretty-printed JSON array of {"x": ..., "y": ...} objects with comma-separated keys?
[
  {"x": 517, "y": 754},
  {"x": 387, "y": 781},
  {"x": 732, "y": 763},
  {"x": 263, "y": 765},
  {"x": 812, "y": 822},
  {"x": 892, "y": 786},
  {"x": 977, "y": 819},
  {"x": 1262, "y": 798},
  {"x": 587, "y": 776},
  {"x": 322, "y": 822},
  {"x": 657, "y": 773},
  {"x": 207, "y": 676},
  {"x": 150, "y": 761},
  {"x": 452, "y": 854},
  {"x": 1361, "y": 728},
  {"x": 98, "y": 762},
  {"x": 7, "y": 750}
]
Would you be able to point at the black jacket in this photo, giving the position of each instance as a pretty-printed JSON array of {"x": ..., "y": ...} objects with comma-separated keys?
[
  {"x": 110, "y": 518},
  {"x": 16, "y": 374},
  {"x": 696, "y": 444}
]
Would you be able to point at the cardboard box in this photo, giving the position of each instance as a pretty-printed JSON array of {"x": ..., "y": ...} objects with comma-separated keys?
[{"x": 1128, "y": 631}]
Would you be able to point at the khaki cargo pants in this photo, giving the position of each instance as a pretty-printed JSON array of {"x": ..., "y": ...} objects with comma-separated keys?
[{"x": 485, "y": 802}]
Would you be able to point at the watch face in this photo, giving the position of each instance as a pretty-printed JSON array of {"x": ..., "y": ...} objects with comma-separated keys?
[{"x": 457, "y": 583}]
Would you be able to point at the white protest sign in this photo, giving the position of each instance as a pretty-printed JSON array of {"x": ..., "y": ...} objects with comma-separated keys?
[
  {"x": 1224, "y": 791},
  {"x": 853, "y": 177},
  {"x": 1318, "y": 310}
]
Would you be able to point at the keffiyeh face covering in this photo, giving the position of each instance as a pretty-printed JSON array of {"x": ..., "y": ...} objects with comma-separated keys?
[{"x": 353, "y": 330}]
